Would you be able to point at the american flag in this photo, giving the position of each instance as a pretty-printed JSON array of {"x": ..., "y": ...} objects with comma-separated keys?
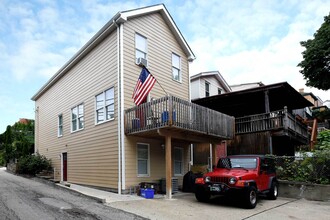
[{"x": 143, "y": 86}]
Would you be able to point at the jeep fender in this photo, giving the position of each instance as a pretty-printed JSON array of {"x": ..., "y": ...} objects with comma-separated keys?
[
  {"x": 271, "y": 179},
  {"x": 252, "y": 183}
]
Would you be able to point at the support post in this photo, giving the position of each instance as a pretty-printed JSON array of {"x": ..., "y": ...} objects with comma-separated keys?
[
  {"x": 214, "y": 155},
  {"x": 168, "y": 158}
]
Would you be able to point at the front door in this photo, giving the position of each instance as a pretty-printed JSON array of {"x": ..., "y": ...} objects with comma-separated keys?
[{"x": 64, "y": 166}]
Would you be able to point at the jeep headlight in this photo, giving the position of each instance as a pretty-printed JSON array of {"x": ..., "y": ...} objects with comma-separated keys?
[
  {"x": 232, "y": 180},
  {"x": 207, "y": 179}
]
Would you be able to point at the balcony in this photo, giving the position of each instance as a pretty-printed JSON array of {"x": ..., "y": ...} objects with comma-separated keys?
[
  {"x": 181, "y": 118},
  {"x": 278, "y": 122}
]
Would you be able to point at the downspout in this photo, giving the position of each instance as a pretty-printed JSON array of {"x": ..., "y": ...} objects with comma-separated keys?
[
  {"x": 123, "y": 164},
  {"x": 119, "y": 107}
]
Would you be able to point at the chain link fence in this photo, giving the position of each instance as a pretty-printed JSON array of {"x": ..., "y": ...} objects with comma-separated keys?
[{"x": 307, "y": 168}]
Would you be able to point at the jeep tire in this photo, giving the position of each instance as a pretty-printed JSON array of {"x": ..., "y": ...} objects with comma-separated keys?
[
  {"x": 202, "y": 195},
  {"x": 250, "y": 197},
  {"x": 273, "y": 191}
]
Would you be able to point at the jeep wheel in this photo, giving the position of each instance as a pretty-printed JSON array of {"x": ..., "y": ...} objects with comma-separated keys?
[
  {"x": 273, "y": 191},
  {"x": 201, "y": 195},
  {"x": 250, "y": 197}
]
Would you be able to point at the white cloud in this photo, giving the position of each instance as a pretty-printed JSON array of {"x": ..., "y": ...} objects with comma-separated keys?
[{"x": 253, "y": 42}]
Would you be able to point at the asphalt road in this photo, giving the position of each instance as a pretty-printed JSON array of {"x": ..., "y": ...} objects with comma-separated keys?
[{"x": 24, "y": 199}]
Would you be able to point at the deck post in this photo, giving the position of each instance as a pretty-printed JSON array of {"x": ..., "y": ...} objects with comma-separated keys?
[{"x": 168, "y": 158}]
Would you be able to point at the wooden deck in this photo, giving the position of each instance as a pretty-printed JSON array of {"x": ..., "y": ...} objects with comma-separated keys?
[
  {"x": 172, "y": 114},
  {"x": 278, "y": 122}
]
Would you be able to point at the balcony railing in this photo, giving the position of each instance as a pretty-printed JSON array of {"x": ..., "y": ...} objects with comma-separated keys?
[
  {"x": 173, "y": 112},
  {"x": 276, "y": 120}
]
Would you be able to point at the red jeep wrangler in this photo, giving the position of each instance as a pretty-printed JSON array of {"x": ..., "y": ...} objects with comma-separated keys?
[{"x": 243, "y": 176}]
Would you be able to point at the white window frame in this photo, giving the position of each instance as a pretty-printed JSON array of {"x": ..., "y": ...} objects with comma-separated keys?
[
  {"x": 104, "y": 106},
  {"x": 175, "y": 161},
  {"x": 78, "y": 119},
  {"x": 60, "y": 125},
  {"x": 137, "y": 160},
  {"x": 140, "y": 50},
  {"x": 176, "y": 68},
  {"x": 219, "y": 91},
  {"x": 207, "y": 91}
]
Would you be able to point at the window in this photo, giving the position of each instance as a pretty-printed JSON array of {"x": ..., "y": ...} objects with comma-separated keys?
[
  {"x": 105, "y": 106},
  {"x": 77, "y": 118},
  {"x": 140, "y": 47},
  {"x": 178, "y": 161},
  {"x": 176, "y": 73},
  {"x": 60, "y": 126},
  {"x": 143, "y": 159},
  {"x": 207, "y": 89},
  {"x": 219, "y": 91}
]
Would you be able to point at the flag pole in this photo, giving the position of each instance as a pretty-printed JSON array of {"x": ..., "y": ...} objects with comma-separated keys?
[{"x": 156, "y": 80}]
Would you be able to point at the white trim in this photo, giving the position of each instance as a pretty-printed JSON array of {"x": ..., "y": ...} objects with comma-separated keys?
[
  {"x": 58, "y": 125},
  {"x": 137, "y": 161},
  {"x": 123, "y": 170},
  {"x": 104, "y": 106},
  {"x": 119, "y": 106},
  {"x": 180, "y": 67},
  {"x": 61, "y": 155},
  {"x": 77, "y": 124}
]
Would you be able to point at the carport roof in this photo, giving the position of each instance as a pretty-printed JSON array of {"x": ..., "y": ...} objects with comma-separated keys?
[{"x": 252, "y": 101}]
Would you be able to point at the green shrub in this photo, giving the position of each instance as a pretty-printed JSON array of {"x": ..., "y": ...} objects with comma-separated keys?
[{"x": 33, "y": 164}]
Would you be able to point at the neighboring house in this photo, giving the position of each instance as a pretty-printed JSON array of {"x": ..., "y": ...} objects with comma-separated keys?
[
  {"x": 88, "y": 125},
  {"x": 207, "y": 84},
  {"x": 203, "y": 85},
  {"x": 312, "y": 115},
  {"x": 244, "y": 86},
  {"x": 316, "y": 101},
  {"x": 264, "y": 119}
]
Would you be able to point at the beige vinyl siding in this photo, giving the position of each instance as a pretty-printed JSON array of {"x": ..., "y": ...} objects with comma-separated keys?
[
  {"x": 93, "y": 151},
  {"x": 157, "y": 160},
  {"x": 161, "y": 44}
]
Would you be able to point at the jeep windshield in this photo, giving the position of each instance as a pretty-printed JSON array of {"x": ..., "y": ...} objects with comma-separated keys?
[{"x": 237, "y": 162}]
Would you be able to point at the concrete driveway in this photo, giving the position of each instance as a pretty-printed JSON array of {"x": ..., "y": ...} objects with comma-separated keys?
[{"x": 185, "y": 206}]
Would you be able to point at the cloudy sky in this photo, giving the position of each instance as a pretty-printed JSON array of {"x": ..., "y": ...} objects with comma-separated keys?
[{"x": 247, "y": 41}]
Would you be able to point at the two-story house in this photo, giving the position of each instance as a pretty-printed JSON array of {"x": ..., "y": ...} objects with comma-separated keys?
[
  {"x": 207, "y": 84},
  {"x": 89, "y": 126}
]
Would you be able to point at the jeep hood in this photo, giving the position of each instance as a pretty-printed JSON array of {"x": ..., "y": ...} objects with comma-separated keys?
[{"x": 232, "y": 173}]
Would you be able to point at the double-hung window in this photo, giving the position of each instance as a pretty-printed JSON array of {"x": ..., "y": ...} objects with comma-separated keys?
[
  {"x": 207, "y": 89},
  {"x": 143, "y": 159},
  {"x": 77, "y": 118},
  {"x": 60, "y": 125},
  {"x": 105, "y": 106},
  {"x": 178, "y": 161},
  {"x": 140, "y": 47},
  {"x": 176, "y": 67}
]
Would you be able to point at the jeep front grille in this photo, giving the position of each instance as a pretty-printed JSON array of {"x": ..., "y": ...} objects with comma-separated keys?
[{"x": 217, "y": 179}]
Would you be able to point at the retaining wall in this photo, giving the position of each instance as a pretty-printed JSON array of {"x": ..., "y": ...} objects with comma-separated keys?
[{"x": 308, "y": 191}]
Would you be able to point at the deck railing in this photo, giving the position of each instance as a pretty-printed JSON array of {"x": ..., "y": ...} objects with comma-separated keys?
[
  {"x": 275, "y": 120},
  {"x": 170, "y": 111}
]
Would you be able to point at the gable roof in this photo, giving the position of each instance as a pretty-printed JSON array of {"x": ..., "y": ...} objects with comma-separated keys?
[
  {"x": 109, "y": 27},
  {"x": 217, "y": 75},
  {"x": 252, "y": 101}
]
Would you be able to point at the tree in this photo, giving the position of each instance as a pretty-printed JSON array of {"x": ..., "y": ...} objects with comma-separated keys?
[{"x": 316, "y": 58}]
